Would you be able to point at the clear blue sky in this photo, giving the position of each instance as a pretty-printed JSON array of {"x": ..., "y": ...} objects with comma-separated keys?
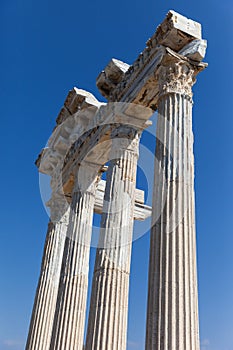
[{"x": 47, "y": 48}]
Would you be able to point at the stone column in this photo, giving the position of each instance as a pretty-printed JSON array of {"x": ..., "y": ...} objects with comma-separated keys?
[
  {"x": 41, "y": 324},
  {"x": 68, "y": 329},
  {"x": 107, "y": 324},
  {"x": 172, "y": 315}
]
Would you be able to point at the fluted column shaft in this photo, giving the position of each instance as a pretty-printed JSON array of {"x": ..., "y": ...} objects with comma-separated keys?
[
  {"x": 107, "y": 324},
  {"x": 41, "y": 324},
  {"x": 172, "y": 316},
  {"x": 68, "y": 330}
]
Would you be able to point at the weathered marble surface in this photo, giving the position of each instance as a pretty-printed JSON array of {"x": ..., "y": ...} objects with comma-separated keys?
[
  {"x": 41, "y": 324},
  {"x": 111, "y": 76},
  {"x": 172, "y": 313},
  {"x": 160, "y": 79},
  {"x": 195, "y": 50},
  {"x": 107, "y": 323},
  {"x": 138, "y": 84},
  {"x": 69, "y": 319}
]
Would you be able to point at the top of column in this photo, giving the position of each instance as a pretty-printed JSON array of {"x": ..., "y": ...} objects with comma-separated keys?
[{"x": 178, "y": 37}]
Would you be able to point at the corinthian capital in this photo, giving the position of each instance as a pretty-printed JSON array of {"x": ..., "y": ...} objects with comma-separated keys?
[{"x": 176, "y": 77}]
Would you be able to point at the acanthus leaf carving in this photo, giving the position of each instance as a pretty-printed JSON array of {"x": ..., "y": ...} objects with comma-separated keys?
[{"x": 176, "y": 77}]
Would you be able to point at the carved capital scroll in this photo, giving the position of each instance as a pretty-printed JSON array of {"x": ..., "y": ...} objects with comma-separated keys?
[{"x": 176, "y": 77}]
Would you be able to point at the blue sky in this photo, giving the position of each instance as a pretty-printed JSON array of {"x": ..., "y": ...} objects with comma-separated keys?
[{"x": 47, "y": 48}]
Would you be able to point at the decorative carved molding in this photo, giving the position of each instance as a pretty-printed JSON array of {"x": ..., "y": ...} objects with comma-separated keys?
[
  {"x": 174, "y": 33},
  {"x": 176, "y": 77},
  {"x": 83, "y": 105}
]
